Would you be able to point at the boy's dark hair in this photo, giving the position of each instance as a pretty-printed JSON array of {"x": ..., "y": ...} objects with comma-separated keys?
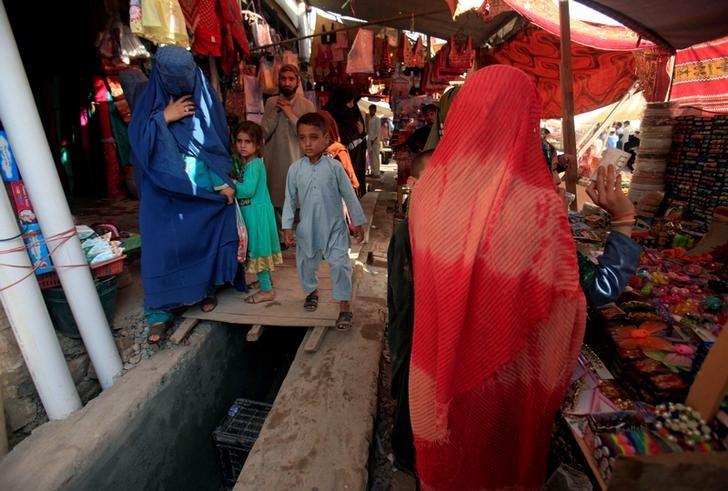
[
  {"x": 254, "y": 131},
  {"x": 429, "y": 107},
  {"x": 418, "y": 163},
  {"x": 372, "y": 106},
  {"x": 313, "y": 119}
]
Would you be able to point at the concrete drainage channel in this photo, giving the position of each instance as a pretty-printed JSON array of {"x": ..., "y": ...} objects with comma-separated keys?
[{"x": 153, "y": 429}]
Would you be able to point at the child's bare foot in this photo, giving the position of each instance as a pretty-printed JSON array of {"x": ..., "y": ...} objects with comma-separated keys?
[{"x": 261, "y": 297}]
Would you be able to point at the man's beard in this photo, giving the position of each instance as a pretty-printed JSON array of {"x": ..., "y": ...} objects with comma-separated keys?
[{"x": 287, "y": 92}]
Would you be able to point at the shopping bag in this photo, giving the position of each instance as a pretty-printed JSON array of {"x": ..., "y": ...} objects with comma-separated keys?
[{"x": 242, "y": 235}]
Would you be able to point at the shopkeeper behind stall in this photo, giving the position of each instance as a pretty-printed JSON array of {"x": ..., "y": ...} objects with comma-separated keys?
[{"x": 180, "y": 144}]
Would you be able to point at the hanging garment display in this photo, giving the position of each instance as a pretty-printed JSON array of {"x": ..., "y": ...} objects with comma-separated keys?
[
  {"x": 399, "y": 85},
  {"x": 324, "y": 63},
  {"x": 204, "y": 24},
  {"x": 162, "y": 22},
  {"x": 418, "y": 54},
  {"x": 232, "y": 22},
  {"x": 406, "y": 56},
  {"x": 259, "y": 28},
  {"x": 235, "y": 97},
  {"x": 361, "y": 55},
  {"x": 266, "y": 77},
  {"x": 290, "y": 58},
  {"x": 460, "y": 57},
  {"x": 385, "y": 61},
  {"x": 253, "y": 99},
  {"x": 130, "y": 47},
  {"x": 342, "y": 40}
]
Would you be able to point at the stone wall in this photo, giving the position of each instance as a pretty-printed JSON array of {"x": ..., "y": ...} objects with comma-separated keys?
[{"x": 23, "y": 409}]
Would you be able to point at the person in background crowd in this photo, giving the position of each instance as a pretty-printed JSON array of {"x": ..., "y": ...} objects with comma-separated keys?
[
  {"x": 342, "y": 107},
  {"x": 386, "y": 132},
  {"x": 317, "y": 184},
  {"x": 338, "y": 151},
  {"x": 631, "y": 146},
  {"x": 612, "y": 139},
  {"x": 374, "y": 127},
  {"x": 417, "y": 141},
  {"x": 251, "y": 192},
  {"x": 618, "y": 131},
  {"x": 400, "y": 301},
  {"x": 280, "y": 116},
  {"x": 180, "y": 145},
  {"x": 627, "y": 131}
]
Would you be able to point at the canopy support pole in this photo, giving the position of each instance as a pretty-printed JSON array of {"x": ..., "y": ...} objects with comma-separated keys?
[
  {"x": 568, "y": 135},
  {"x": 35, "y": 161}
]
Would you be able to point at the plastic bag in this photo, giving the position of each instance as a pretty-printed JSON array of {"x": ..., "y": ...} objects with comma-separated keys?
[
  {"x": 242, "y": 235},
  {"x": 266, "y": 78}
]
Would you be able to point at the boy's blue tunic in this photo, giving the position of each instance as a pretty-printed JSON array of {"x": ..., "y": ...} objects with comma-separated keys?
[{"x": 318, "y": 190}]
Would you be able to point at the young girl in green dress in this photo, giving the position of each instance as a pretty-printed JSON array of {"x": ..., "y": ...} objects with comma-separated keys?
[{"x": 264, "y": 250}]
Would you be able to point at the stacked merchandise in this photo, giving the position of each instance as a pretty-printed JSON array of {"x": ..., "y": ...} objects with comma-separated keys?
[
  {"x": 20, "y": 201},
  {"x": 653, "y": 152},
  {"x": 698, "y": 168}
]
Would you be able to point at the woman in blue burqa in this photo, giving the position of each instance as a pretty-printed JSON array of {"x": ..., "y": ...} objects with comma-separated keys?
[{"x": 180, "y": 145}]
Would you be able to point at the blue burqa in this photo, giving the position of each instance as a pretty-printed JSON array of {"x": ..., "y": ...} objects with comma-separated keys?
[{"x": 189, "y": 234}]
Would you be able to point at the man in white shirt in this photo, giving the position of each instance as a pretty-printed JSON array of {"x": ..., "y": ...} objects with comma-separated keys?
[
  {"x": 375, "y": 142},
  {"x": 627, "y": 131}
]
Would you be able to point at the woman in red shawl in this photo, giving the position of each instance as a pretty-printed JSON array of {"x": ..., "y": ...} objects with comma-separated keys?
[{"x": 499, "y": 312}]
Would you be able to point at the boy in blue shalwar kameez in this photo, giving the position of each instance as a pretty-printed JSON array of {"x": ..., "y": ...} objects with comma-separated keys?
[{"x": 317, "y": 184}]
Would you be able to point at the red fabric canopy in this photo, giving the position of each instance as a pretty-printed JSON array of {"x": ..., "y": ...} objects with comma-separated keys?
[
  {"x": 545, "y": 14},
  {"x": 701, "y": 76},
  {"x": 600, "y": 77}
]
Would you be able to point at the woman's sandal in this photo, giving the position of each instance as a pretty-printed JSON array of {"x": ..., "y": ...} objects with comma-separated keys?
[
  {"x": 343, "y": 323},
  {"x": 255, "y": 298},
  {"x": 209, "y": 304},
  {"x": 158, "y": 331},
  {"x": 311, "y": 302}
]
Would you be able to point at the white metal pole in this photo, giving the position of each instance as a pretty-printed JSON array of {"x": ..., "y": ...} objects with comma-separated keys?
[
  {"x": 32, "y": 326},
  {"x": 27, "y": 138}
]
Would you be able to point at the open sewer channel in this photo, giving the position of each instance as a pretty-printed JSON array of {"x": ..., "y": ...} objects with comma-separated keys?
[
  {"x": 244, "y": 370},
  {"x": 154, "y": 429}
]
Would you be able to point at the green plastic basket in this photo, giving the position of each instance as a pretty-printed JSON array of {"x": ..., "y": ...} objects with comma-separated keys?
[{"x": 60, "y": 311}]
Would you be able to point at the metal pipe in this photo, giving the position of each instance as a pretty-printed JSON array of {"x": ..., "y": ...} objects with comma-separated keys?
[
  {"x": 32, "y": 326},
  {"x": 27, "y": 138},
  {"x": 358, "y": 26}
]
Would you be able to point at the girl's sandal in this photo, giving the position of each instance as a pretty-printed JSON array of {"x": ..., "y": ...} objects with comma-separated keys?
[
  {"x": 157, "y": 333},
  {"x": 209, "y": 304},
  {"x": 311, "y": 302},
  {"x": 344, "y": 322},
  {"x": 255, "y": 298}
]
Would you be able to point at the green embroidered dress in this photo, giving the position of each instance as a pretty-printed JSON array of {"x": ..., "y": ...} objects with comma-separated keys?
[{"x": 264, "y": 250}]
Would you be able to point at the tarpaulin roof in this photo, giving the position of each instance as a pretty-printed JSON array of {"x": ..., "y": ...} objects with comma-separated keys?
[{"x": 674, "y": 24}]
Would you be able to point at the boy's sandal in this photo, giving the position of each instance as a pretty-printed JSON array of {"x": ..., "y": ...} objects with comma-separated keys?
[
  {"x": 344, "y": 321},
  {"x": 209, "y": 304},
  {"x": 157, "y": 332},
  {"x": 311, "y": 302}
]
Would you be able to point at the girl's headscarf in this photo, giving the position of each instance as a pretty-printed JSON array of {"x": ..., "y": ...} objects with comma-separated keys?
[
  {"x": 203, "y": 135},
  {"x": 499, "y": 314},
  {"x": 337, "y": 149}
]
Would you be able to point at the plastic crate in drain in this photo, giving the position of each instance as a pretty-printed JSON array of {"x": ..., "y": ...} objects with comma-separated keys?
[{"x": 236, "y": 435}]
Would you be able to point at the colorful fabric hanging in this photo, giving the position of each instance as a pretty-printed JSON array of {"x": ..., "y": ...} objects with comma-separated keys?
[
  {"x": 160, "y": 21},
  {"x": 600, "y": 77},
  {"x": 701, "y": 76}
]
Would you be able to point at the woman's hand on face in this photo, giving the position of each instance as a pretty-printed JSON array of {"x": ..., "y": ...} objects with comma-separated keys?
[
  {"x": 607, "y": 193},
  {"x": 181, "y": 108}
]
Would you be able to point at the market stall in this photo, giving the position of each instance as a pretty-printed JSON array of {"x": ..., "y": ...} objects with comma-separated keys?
[{"x": 648, "y": 383}]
